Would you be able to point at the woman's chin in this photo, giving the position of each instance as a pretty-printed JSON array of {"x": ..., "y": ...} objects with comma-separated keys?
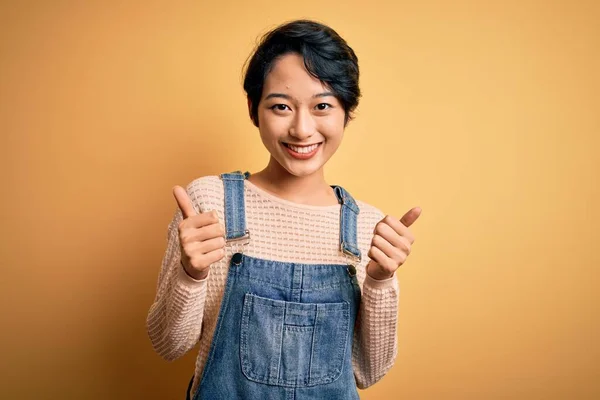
[{"x": 304, "y": 170}]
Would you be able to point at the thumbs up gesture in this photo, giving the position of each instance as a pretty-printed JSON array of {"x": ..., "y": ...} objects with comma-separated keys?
[
  {"x": 391, "y": 244},
  {"x": 201, "y": 237}
]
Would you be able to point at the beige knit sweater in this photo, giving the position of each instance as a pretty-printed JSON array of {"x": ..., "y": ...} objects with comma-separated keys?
[{"x": 185, "y": 310}]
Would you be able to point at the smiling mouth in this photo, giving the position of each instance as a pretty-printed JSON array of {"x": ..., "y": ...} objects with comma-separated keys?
[
  {"x": 302, "y": 152},
  {"x": 303, "y": 149}
]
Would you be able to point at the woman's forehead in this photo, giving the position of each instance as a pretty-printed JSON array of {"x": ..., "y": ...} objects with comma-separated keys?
[{"x": 290, "y": 76}]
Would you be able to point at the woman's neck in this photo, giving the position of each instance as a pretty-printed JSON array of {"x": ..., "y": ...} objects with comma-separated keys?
[{"x": 308, "y": 190}]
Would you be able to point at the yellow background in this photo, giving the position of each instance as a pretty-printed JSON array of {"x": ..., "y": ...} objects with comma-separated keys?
[{"x": 485, "y": 114}]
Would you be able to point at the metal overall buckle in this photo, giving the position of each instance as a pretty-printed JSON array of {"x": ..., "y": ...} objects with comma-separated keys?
[
  {"x": 352, "y": 259},
  {"x": 237, "y": 246}
]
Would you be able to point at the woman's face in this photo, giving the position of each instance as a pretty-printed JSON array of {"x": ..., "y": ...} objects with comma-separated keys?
[{"x": 301, "y": 122}]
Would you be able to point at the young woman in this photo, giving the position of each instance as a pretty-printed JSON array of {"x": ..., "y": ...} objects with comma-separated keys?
[{"x": 287, "y": 282}]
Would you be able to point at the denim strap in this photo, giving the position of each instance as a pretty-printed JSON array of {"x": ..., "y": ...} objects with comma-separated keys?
[
  {"x": 348, "y": 224},
  {"x": 235, "y": 207}
]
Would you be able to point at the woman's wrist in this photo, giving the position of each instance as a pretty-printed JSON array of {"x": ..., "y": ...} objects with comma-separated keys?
[
  {"x": 378, "y": 274},
  {"x": 195, "y": 275}
]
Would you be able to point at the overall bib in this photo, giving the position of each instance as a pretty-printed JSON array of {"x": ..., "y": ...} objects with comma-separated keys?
[{"x": 284, "y": 330}]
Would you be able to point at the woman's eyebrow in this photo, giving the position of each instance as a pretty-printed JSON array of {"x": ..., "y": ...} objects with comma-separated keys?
[
  {"x": 288, "y": 97},
  {"x": 278, "y": 95},
  {"x": 324, "y": 94}
]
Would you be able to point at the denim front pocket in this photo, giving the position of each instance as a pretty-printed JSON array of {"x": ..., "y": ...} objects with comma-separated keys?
[{"x": 293, "y": 344}]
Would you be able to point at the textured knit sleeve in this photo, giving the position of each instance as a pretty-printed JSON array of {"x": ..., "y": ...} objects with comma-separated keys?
[
  {"x": 174, "y": 321},
  {"x": 375, "y": 335}
]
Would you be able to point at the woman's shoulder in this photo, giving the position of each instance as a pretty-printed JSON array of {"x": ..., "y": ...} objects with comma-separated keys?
[
  {"x": 204, "y": 183},
  {"x": 369, "y": 215},
  {"x": 206, "y": 192},
  {"x": 367, "y": 220}
]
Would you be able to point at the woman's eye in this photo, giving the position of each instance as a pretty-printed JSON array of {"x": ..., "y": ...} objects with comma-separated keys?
[
  {"x": 279, "y": 107},
  {"x": 323, "y": 106}
]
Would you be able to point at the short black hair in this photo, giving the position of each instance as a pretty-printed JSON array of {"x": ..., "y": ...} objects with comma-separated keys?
[{"x": 326, "y": 56}]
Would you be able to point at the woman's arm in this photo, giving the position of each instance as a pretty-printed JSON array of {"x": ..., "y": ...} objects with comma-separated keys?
[
  {"x": 174, "y": 321},
  {"x": 376, "y": 339},
  {"x": 375, "y": 335}
]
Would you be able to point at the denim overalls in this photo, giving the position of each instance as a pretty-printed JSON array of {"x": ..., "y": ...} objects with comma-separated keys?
[{"x": 284, "y": 330}]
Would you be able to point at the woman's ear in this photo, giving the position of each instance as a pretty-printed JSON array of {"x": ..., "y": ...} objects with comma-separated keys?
[{"x": 250, "y": 111}]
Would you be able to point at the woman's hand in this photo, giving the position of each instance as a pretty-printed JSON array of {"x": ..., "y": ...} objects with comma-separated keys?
[
  {"x": 391, "y": 244},
  {"x": 201, "y": 237}
]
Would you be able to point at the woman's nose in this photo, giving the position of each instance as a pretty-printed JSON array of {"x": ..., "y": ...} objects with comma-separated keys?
[{"x": 303, "y": 125}]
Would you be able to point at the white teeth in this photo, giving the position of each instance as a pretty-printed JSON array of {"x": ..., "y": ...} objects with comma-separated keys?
[{"x": 303, "y": 150}]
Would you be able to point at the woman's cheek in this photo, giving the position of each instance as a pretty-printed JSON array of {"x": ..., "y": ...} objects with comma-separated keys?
[{"x": 274, "y": 124}]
